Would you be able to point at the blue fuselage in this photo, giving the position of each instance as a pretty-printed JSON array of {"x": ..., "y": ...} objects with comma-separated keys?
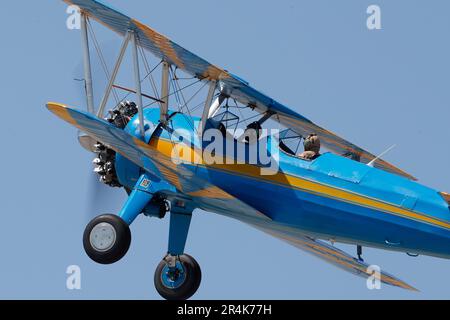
[{"x": 331, "y": 198}]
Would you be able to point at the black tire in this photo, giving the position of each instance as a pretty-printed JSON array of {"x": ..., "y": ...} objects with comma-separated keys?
[
  {"x": 190, "y": 285},
  {"x": 119, "y": 247}
]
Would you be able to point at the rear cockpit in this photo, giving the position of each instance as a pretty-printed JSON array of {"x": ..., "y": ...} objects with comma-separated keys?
[
  {"x": 237, "y": 122},
  {"x": 306, "y": 148}
]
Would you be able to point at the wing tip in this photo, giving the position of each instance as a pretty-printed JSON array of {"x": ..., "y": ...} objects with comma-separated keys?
[
  {"x": 53, "y": 106},
  {"x": 396, "y": 282},
  {"x": 406, "y": 286},
  {"x": 61, "y": 111}
]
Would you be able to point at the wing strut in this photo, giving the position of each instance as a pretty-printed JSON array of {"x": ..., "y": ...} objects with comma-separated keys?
[
  {"x": 137, "y": 78},
  {"x": 123, "y": 49},
  {"x": 216, "y": 105},
  {"x": 208, "y": 105},
  {"x": 87, "y": 63},
  {"x": 165, "y": 85}
]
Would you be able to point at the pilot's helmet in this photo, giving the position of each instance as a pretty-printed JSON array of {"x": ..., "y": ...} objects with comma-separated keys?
[{"x": 312, "y": 143}]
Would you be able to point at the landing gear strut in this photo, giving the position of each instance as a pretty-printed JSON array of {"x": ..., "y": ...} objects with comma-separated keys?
[
  {"x": 107, "y": 239},
  {"x": 178, "y": 275}
]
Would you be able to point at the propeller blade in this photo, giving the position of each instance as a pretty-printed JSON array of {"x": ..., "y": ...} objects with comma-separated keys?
[{"x": 102, "y": 198}]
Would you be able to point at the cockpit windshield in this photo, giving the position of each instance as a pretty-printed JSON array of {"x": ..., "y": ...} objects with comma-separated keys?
[{"x": 290, "y": 142}]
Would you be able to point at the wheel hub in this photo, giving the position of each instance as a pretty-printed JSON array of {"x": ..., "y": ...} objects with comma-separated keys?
[
  {"x": 103, "y": 237},
  {"x": 173, "y": 277}
]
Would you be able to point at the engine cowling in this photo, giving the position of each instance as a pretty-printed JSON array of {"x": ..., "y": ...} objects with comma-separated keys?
[{"x": 106, "y": 158}]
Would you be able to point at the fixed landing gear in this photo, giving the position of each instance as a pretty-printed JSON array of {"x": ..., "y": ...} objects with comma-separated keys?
[
  {"x": 107, "y": 239},
  {"x": 178, "y": 275},
  {"x": 177, "y": 278}
]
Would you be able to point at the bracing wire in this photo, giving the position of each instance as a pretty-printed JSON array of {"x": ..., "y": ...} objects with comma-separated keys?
[
  {"x": 143, "y": 79},
  {"x": 150, "y": 72},
  {"x": 101, "y": 57},
  {"x": 171, "y": 94}
]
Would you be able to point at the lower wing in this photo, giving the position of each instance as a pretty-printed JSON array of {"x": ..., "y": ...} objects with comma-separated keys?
[
  {"x": 157, "y": 165},
  {"x": 335, "y": 256}
]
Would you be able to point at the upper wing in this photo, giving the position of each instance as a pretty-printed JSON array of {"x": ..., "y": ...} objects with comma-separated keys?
[
  {"x": 149, "y": 39},
  {"x": 337, "y": 257},
  {"x": 245, "y": 94},
  {"x": 231, "y": 85}
]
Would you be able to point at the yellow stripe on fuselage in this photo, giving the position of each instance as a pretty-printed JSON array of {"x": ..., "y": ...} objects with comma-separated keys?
[{"x": 166, "y": 147}]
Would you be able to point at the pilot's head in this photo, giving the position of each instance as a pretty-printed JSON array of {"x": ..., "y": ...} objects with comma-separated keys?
[{"x": 312, "y": 143}]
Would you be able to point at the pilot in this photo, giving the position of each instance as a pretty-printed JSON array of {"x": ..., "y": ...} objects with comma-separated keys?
[{"x": 312, "y": 147}]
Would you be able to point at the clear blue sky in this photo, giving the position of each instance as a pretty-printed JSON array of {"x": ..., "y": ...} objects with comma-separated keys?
[{"x": 375, "y": 88}]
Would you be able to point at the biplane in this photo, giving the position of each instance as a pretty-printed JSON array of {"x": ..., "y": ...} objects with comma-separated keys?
[{"x": 155, "y": 151}]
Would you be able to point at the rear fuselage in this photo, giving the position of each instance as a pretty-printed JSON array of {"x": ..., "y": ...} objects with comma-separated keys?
[{"x": 331, "y": 197}]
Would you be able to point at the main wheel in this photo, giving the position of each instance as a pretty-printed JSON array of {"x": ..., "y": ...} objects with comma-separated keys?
[
  {"x": 107, "y": 239},
  {"x": 180, "y": 282}
]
